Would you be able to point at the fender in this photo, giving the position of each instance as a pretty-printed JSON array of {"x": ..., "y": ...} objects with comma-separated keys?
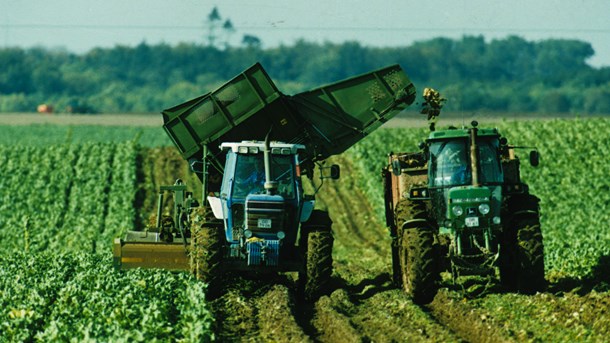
[
  {"x": 306, "y": 210},
  {"x": 216, "y": 206},
  {"x": 525, "y": 214},
  {"x": 415, "y": 223}
]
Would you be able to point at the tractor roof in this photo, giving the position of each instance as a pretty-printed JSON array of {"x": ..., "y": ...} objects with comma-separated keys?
[
  {"x": 254, "y": 147},
  {"x": 460, "y": 133}
]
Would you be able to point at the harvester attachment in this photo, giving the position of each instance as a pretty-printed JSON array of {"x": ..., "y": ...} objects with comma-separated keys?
[
  {"x": 147, "y": 250},
  {"x": 167, "y": 246}
]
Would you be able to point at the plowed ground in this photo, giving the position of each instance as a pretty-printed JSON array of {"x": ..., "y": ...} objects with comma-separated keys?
[{"x": 363, "y": 305}]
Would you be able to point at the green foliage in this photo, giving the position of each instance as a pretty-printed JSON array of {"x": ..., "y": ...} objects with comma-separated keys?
[
  {"x": 73, "y": 191},
  {"x": 62, "y": 205},
  {"x": 497, "y": 75},
  {"x": 45, "y": 135},
  {"x": 53, "y": 297},
  {"x": 571, "y": 181}
]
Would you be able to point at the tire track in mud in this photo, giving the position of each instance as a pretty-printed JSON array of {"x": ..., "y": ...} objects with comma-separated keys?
[
  {"x": 467, "y": 322},
  {"x": 366, "y": 302},
  {"x": 255, "y": 309}
]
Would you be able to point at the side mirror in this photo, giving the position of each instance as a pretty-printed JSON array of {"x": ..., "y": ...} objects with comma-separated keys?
[
  {"x": 335, "y": 171},
  {"x": 196, "y": 166},
  {"x": 534, "y": 158}
]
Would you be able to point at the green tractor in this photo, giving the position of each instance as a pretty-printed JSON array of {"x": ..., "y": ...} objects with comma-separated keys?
[
  {"x": 459, "y": 205},
  {"x": 252, "y": 148}
]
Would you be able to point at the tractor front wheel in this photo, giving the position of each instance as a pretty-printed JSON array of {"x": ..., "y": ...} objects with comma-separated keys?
[
  {"x": 522, "y": 269},
  {"x": 522, "y": 249}
]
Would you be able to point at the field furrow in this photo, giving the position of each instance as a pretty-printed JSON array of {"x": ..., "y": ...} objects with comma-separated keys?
[{"x": 58, "y": 200}]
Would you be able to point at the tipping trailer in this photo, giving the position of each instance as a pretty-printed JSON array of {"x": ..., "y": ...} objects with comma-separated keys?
[{"x": 250, "y": 145}]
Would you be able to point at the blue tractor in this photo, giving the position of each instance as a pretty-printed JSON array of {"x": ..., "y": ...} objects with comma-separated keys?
[{"x": 251, "y": 146}]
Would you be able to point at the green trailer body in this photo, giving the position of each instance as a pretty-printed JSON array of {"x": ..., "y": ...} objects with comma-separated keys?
[{"x": 327, "y": 120}]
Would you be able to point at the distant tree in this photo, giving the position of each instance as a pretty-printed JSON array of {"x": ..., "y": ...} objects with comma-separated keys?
[
  {"x": 218, "y": 32},
  {"x": 558, "y": 60},
  {"x": 251, "y": 41},
  {"x": 597, "y": 100},
  {"x": 228, "y": 30},
  {"x": 554, "y": 102},
  {"x": 213, "y": 23},
  {"x": 510, "y": 74},
  {"x": 15, "y": 74}
]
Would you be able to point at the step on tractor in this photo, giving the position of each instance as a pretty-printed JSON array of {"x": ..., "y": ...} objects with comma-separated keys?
[
  {"x": 458, "y": 205},
  {"x": 251, "y": 146}
]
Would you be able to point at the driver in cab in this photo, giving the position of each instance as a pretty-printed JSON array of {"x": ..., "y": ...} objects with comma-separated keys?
[{"x": 250, "y": 178}]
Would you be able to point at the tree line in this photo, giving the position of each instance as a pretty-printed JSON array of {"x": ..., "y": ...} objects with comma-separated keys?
[{"x": 510, "y": 74}]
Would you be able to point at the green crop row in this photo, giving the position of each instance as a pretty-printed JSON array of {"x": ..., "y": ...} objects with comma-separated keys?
[
  {"x": 51, "y": 297},
  {"x": 58, "y": 204},
  {"x": 45, "y": 135},
  {"x": 572, "y": 182},
  {"x": 65, "y": 197}
]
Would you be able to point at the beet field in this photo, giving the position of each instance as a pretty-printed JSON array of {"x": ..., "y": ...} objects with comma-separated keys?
[{"x": 68, "y": 190}]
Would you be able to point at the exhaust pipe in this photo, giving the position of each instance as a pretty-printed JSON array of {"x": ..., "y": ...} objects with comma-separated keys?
[
  {"x": 270, "y": 186},
  {"x": 474, "y": 158}
]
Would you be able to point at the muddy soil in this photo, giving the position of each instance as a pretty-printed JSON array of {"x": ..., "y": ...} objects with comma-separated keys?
[{"x": 363, "y": 305}]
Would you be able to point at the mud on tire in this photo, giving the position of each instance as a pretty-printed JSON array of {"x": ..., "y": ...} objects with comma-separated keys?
[
  {"x": 206, "y": 250},
  {"x": 405, "y": 210},
  {"x": 420, "y": 275},
  {"x": 317, "y": 244}
]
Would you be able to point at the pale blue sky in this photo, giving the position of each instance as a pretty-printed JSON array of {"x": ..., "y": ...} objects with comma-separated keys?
[{"x": 80, "y": 25}]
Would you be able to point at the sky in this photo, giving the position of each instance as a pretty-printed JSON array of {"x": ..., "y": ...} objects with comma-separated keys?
[{"x": 78, "y": 25}]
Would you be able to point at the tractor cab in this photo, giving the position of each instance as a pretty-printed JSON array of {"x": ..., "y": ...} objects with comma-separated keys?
[
  {"x": 451, "y": 165},
  {"x": 261, "y": 200},
  {"x": 465, "y": 179}
]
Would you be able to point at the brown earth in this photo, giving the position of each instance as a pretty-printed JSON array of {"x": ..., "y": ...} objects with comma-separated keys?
[{"x": 363, "y": 305}]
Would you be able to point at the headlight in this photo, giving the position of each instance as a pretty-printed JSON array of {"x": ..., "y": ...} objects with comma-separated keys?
[
  {"x": 457, "y": 210},
  {"x": 484, "y": 208},
  {"x": 247, "y": 233},
  {"x": 281, "y": 235},
  {"x": 496, "y": 220}
]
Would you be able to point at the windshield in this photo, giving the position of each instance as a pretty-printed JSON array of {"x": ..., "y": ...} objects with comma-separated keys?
[
  {"x": 250, "y": 175},
  {"x": 450, "y": 163},
  {"x": 489, "y": 161}
]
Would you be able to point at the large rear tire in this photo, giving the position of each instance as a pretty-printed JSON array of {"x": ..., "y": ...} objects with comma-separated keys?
[
  {"x": 206, "y": 251},
  {"x": 317, "y": 246},
  {"x": 420, "y": 276},
  {"x": 522, "y": 249}
]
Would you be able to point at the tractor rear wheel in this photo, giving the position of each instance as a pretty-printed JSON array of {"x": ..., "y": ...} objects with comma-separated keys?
[
  {"x": 420, "y": 275},
  {"x": 206, "y": 251},
  {"x": 317, "y": 246}
]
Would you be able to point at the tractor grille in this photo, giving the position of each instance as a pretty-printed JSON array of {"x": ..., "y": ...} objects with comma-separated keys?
[
  {"x": 266, "y": 253},
  {"x": 265, "y": 216}
]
